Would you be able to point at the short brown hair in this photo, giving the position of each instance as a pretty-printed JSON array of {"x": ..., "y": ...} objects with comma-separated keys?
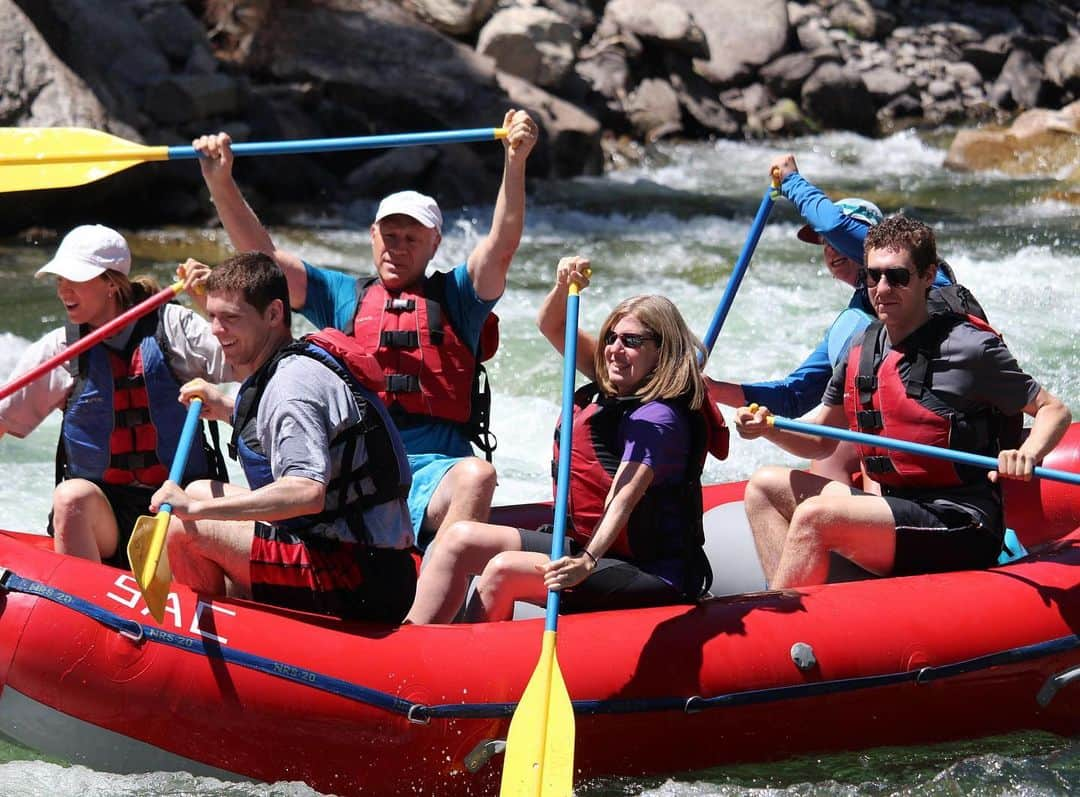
[
  {"x": 257, "y": 277},
  {"x": 677, "y": 373},
  {"x": 904, "y": 234}
]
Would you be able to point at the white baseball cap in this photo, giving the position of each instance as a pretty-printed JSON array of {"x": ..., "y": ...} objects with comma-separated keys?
[
  {"x": 414, "y": 205},
  {"x": 87, "y": 252}
]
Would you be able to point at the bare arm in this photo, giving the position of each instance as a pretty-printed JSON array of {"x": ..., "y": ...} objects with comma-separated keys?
[
  {"x": 751, "y": 425},
  {"x": 727, "y": 393},
  {"x": 1052, "y": 419},
  {"x": 287, "y": 497},
  {"x": 631, "y": 481},
  {"x": 243, "y": 227},
  {"x": 551, "y": 320},
  {"x": 490, "y": 261}
]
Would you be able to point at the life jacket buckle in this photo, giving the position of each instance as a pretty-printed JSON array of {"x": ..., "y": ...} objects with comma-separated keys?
[
  {"x": 402, "y": 383},
  {"x": 400, "y": 305},
  {"x": 868, "y": 420},
  {"x": 399, "y": 338}
]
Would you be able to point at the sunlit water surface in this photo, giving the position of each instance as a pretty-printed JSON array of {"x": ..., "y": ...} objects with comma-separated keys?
[{"x": 673, "y": 226}]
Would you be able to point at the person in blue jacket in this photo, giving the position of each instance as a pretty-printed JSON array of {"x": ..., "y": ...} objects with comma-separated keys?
[{"x": 840, "y": 228}]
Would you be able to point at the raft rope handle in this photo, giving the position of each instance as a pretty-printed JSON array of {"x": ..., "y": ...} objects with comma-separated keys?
[{"x": 421, "y": 714}]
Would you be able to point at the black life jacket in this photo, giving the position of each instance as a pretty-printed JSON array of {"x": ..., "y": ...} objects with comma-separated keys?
[
  {"x": 384, "y": 476},
  {"x": 595, "y": 458}
]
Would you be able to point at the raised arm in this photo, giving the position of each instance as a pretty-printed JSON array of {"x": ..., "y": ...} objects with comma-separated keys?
[
  {"x": 551, "y": 320},
  {"x": 243, "y": 227},
  {"x": 490, "y": 260}
]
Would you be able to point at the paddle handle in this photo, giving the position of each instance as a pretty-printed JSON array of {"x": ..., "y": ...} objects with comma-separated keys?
[
  {"x": 351, "y": 143},
  {"x": 101, "y": 333},
  {"x": 741, "y": 266},
  {"x": 183, "y": 448},
  {"x": 562, "y": 483},
  {"x": 959, "y": 457}
]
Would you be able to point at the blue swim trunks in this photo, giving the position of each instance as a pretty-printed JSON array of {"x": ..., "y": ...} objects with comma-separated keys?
[{"x": 427, "y": 471}]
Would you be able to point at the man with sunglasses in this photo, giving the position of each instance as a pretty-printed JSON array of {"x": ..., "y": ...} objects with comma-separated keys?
[
  {"x": 945, "y": 380},
  {"x": 840, "y": 228}
]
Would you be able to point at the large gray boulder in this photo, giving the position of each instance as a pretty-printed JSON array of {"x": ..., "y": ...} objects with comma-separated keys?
[
  {"x": 664, "y": 23},
  {"x": 837, "y": 98},
  {"x": 742, "y": 35},
  {"x": 455, "y": 17},
  {"x": 37, "y": 89},
  {"x": 533, "y": 43}
]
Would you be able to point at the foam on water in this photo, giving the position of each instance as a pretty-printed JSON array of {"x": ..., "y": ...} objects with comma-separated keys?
[{"x": 675, "y": 226}]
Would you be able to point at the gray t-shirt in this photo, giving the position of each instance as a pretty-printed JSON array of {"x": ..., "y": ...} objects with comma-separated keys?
[
  {"x": 304, "y": 408},
  {"x": 974, "y": 369}
]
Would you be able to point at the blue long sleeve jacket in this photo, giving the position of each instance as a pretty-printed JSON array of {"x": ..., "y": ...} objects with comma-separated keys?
[{"x": 802, "y": 389}]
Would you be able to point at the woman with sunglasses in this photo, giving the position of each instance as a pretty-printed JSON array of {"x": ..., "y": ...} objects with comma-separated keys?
[
  {"x": 120, "y": 398},
  {"x": 641, "y": 428}
]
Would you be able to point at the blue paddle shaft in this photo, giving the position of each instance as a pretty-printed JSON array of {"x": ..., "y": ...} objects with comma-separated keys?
[
  {"x": 740, "y": 270},
  {"x": 961, "y": 457},
  {"x": 562, "y": 484},
  {"x": 183, "y": 448},
  {"x": 347, "y": 143}
]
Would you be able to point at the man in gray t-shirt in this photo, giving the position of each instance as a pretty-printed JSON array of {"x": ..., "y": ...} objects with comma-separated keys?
[
  {"x": 324, "y": 526},
  {"x": 941, "y": 381}
]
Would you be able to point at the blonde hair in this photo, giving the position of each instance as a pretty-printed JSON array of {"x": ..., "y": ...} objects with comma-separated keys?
[
  {"x": 677, "y": 373},
  {"x": 130, "y": 292}
]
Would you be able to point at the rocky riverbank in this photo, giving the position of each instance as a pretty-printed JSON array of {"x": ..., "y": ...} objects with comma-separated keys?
[{"x": 603, "y": 77}]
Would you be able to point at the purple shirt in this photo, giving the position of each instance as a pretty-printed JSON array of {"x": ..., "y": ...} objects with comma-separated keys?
[{"x": 657, "y": 435}]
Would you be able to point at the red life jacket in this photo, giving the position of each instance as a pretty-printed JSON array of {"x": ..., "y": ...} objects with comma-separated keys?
[
  {"x": 425, "y": 369},
  {"x": 893, "y": 396},
  {"x": 123, "y": 420},
  {"x": 595, "y": 457},
  {"x": 133, "y": 442}
]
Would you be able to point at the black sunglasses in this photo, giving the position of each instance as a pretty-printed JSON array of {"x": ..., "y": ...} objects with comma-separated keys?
[
  {"x": 630, "y": 340},
  {"x": 898, "y": 276}
]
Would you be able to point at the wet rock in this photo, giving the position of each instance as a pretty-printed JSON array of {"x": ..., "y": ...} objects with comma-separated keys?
[
  {"x": 736, "y": 51},
  {"x": 455, "y": 17},
  {"x": 1039, "y": 142},
  {"x": 533, "y": 43},
  {"x": 839, "y": 99},
  {"x": 663, "y": 23}
]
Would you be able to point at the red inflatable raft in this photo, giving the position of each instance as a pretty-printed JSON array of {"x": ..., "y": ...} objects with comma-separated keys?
[{"x": 237, "y": 690}]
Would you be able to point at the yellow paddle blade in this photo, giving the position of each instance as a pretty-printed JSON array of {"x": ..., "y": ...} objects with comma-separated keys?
[
  {"x": 540, "y": 746},
  {"x": 58, "y": 157},
  {"x": 150, "y": 561}
]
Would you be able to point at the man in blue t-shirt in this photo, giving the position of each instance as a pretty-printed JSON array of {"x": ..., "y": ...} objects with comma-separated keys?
[{"x": 449, "y": 483}]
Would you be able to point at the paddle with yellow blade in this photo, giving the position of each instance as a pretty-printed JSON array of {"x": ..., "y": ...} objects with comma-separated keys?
[
  {"x": 540, "y": 745},
  {"x": 33, "y": 158},
  {"x": 149, "y": 563}
]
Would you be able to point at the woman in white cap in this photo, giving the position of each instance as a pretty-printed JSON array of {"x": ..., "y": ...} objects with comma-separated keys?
[{"x": 122, "y": 417}]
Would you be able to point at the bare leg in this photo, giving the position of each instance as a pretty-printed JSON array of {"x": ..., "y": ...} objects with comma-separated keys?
[
  {"x": 511, "y": 576},
  {"x": 83, "y": 521},
  {"x": 858, "y": 527},
  {"x": 462, "y": 551},
  {"x": 841, "y": 465},
  {"x": 213, "y": 557},
  {"x": 464, "y": 493}
]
